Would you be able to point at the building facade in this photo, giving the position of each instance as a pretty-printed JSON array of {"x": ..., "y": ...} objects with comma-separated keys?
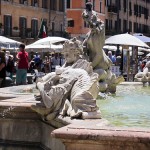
[
  {"x": 120, "y": 16},
  {"x": 131, "y": 16},
  {"x": 75, "y": 24},
  {"x": 23, "y": 18}
]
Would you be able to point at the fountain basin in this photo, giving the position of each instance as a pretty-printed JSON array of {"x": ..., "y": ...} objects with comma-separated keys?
[
  {"x": 22, "y": 128},
  {"x": 91, "y": 136}
]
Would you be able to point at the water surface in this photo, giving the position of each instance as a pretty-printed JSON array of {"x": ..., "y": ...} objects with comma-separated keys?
[{"x": 130, "y": 107}]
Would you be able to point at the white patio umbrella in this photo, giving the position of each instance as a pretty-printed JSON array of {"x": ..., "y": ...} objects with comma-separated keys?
[
  {"x": 125, "y": 39},
  {"x": 6, "y": 40},
  {"x": 110, "y": 47},
  {"x": 50, "y": 40},
  {"x": 44, "y": 48},
  {"x": 143, "y": 38},
  {"x": 8, "y": 43},
  {"x": 148, "y": 55},
  {"x": 38, "y": 46}
]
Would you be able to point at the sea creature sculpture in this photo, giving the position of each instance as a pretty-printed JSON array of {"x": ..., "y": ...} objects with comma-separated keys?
[{"x": 93, "y": 47}]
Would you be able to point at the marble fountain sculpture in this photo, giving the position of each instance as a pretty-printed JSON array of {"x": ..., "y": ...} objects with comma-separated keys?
[
  {"x": 144, "y": 76},
  {"x": 63, "y": 115},
  {"x": 73, "y": 88}
]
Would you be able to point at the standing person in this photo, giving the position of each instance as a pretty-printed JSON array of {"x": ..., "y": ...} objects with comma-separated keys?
[
  {"x": 37, "y": 61},
  {"x": 2, "y": 69},
  {"x": 21, "y": 74},
  {"x": 112, "y": 57},
  {"x": 10, "y": 66},
  {"x": 55, "y": 61}
]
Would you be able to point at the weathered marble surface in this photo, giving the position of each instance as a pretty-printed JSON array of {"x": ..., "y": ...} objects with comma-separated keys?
[
  {"x": 72, "y": 89},
  {"x": 145, "y": 75},
  {"x": 92, "y": 135},
  {"x": 93, "y": 48}
]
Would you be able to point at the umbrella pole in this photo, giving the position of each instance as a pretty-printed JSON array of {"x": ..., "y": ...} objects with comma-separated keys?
[{"x": 128, "y": 64}]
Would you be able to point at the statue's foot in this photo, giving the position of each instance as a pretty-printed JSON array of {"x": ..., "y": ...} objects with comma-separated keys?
[{"x": 91, "y": 115}]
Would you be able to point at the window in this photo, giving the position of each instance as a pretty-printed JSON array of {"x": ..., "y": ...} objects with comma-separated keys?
[
  {"x": 100, "y": 7},
  {"x": 146, "y": 13},
  {"x": 93, "y": 4},
  {"x": 140, "y": 28},
  {"x": 106, "y": 22},
  {"x": 34, "y": 3},
  {"x": 130, "y": 8},
  {"x": 120, "y": 24},
  {"x": 53, "y": 4},
  {"x": 34, "y": 27},
  {"x": 108, "y": 2},
  {"x": 61, "y": 29},
  {"x": 68, "y": 3},
  {"x": 53, "y": 28},
  {"x": 124, "y": 26},
  {"x": 70, "y": 23},
  {"x": 7, "y": 25},
  {"x": 110, "y": 24},
  {"x": 22, "y": 26},
  {"x": 130, "y": 26},
  {"x": 136, "y": 10},
  {"x": 61, "y": 5},
  {"x": 119, "y": 4},
  {"x": 44, "y": 4},
  {"x": 125, "y": 5},
  {"x": 23, "y": 2},
  {"x": 135, "y": 27},
  {"x": 139, "y": 11}
]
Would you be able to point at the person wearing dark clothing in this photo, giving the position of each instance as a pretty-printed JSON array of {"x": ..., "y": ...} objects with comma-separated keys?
[
  {"x": 2, "y": 69},
  {"x": 37, "y": 61},
  {"x": 10, "y": 66},
  {"x": 31, "y": 67}
]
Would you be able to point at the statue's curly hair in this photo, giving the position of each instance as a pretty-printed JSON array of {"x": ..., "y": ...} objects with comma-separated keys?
[{"x": 73, "y": 45}]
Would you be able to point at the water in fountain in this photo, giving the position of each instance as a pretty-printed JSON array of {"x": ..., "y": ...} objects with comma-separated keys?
[{"x": 130, "y": 107}]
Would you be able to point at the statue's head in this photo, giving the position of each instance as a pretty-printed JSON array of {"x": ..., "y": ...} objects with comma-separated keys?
[
  {"x": 72, "y": 49},
  {"x": 89, "y": 6}
]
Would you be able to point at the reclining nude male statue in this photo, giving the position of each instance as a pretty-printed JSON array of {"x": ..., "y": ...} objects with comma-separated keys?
[
  {"x": 72, "y": 89},
  {"x": 93, "y": 47}
]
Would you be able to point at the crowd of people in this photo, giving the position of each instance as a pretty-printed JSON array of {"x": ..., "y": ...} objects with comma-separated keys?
[
  {"x": 23, "y": 63},
  {"x": 117, "y": 60}
]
